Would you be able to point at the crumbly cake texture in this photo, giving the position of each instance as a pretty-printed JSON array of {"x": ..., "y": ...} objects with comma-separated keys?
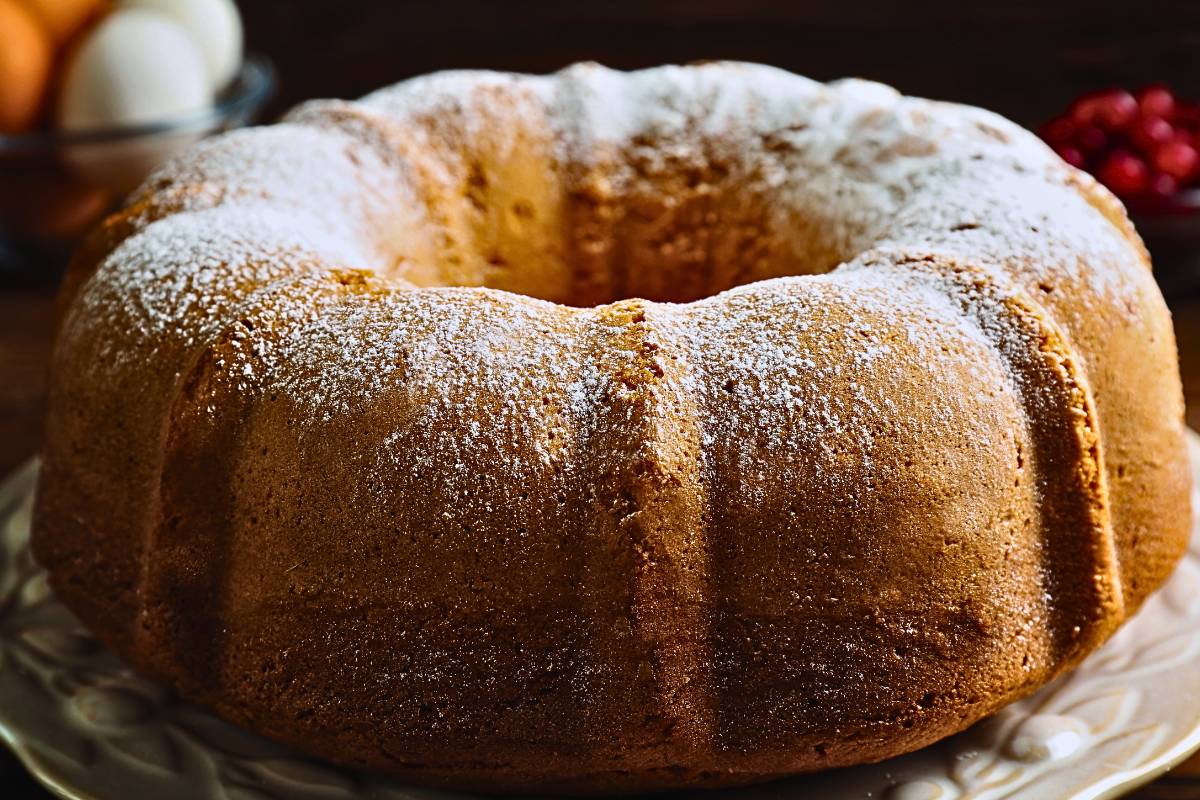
[{"x": 605, "y": 431}]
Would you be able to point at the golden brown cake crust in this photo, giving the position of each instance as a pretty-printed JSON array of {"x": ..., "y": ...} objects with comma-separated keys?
[{"x": 843, "y": 420}]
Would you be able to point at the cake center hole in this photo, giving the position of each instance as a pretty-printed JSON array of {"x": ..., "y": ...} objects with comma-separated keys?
[{"x": 662, "y": 232}]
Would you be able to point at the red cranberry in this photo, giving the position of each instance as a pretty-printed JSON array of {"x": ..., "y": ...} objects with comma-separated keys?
[
  {"x": 1116, "y": 109},
  {"x": 1151, "y": 133},
  {"x": 1156, "y": 100},
  {"x": 1163, "y": 186},
  {"x": 1124, "y": 173},
  {"x": 1071, "y": 155},
  {"x": 1085, "y": 111},
  {"x": 1177, "y": 159},
  {"x": 1092, "y": 140},
  {"x": 1059, "y": 131}
]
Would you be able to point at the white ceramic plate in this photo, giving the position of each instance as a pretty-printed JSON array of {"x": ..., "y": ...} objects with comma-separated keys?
[{"x": 88, "y": 727}]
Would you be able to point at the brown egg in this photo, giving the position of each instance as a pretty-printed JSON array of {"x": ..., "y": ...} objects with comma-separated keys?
[
  {"x": 64, "y": 18},
  {"x": 26, "y": 53}
]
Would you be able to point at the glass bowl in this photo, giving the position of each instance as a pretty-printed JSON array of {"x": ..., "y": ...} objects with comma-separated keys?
[{"x": 56, "y": 185}]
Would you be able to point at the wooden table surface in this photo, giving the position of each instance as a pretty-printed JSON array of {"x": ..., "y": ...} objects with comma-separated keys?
[{"x": 26, "y": 323}]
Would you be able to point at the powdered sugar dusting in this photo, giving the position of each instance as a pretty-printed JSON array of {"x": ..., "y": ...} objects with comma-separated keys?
[
  {"x": 176, "y": 283},
  {"x": 784, "y": 373},
  {"x": 852, "y": 165}
]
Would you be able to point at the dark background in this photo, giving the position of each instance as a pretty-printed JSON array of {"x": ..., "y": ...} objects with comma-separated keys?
[{"x": 1025, "y": 60}]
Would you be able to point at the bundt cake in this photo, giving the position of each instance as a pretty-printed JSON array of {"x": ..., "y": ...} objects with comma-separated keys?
[{"x": 613, "y": 431}]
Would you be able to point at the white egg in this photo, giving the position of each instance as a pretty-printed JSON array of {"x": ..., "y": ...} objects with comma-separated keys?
[
  {"x": 136, "y": 67},
  {"x": 215, "y": 27}
]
